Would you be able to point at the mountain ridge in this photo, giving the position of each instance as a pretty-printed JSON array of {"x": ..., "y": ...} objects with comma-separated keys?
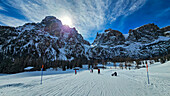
[{"x": 135, "y": 45}]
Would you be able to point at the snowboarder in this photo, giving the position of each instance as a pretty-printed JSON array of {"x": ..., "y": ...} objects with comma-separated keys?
[{"x": 98, "y": 71}]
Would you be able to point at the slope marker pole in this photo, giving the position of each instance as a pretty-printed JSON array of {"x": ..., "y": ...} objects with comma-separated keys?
[
  {"x": 147, "y": 73},
  {"x": 42, "y": 73}
]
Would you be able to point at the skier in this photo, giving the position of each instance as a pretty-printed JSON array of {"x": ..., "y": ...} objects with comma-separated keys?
[{"x": 98, "y": 71}]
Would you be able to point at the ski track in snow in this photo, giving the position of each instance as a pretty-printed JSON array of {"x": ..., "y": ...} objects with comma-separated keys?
[{"x": 127, "y": 83}]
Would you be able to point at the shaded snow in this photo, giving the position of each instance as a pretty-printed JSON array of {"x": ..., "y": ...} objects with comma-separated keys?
[
  {"x": 62, "y": 55},
  {"x": 29, "y": 43},
  {"x": 167, "y": 32},
  {"x": 126, "y": 35}
]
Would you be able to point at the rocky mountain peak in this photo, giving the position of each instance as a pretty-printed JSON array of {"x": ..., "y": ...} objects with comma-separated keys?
[
  {"x": 50, "y": 19},
  {"x": 52, "y": 25},
  {"x": 113, "y": 32},
  {"x": 151, "y": 27},
  {"x": 145, "y": 33},
  {"x": 109, "y": 37}
]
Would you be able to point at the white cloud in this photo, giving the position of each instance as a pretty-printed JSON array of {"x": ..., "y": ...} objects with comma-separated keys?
[{"x": 86, "y": 15}]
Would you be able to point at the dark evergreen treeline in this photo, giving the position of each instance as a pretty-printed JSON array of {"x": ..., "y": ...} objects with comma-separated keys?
[{"x": 18, "y": 63}]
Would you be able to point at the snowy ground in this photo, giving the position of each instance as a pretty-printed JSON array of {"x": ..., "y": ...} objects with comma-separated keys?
[{"x": 127, "y": 83}]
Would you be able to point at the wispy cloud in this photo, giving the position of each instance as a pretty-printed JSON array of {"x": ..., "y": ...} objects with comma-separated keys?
[
  {"x": 125, "y": 7},
  {"x": 1, "y": 8},
  {"x": 86, "y": 15},
  {"x": 10, "y": 21},
  {"x": 163, "y": 12}
]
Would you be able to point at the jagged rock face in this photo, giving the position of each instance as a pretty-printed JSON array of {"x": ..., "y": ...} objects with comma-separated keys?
[
  {"x": 49, "y": 38},
  {"x": 52, "y": 25},
  {"x": 142, "y": 43},
  {"x": 110, "y": 37},
  {"x": 64, "y": 32},
  {"x": 146, "y": 33}
]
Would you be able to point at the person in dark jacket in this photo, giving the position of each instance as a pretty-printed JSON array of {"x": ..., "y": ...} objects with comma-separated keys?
[
  {"x": 75, "y": 71},
  {"x": 91, "y": 70},
  {"x": 98, "y": 71}
]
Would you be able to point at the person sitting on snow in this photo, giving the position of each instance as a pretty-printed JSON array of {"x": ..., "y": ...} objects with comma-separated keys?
[{"x": 114, "y": 74}]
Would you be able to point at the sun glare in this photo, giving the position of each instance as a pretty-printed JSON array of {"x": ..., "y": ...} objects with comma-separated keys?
[{"x": 66, "y": 21}]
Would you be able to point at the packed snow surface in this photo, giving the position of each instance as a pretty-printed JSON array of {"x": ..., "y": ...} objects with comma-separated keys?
[{"x": 65, "y": 83}]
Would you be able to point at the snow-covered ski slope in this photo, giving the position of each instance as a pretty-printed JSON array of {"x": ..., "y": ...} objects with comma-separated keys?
[{"x": 127, "y": 83}]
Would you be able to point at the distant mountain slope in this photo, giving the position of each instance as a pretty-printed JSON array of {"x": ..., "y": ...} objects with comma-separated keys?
[{"x": 144, "y": 42}]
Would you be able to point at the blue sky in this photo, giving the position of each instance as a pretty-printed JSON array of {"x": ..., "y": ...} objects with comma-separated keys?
[{"x": 88, "y": 16}]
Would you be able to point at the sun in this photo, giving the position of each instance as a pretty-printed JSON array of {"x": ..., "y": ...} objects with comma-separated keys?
[{"x": 66, "y": 21}]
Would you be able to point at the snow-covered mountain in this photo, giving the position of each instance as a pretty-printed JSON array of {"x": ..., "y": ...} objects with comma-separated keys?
[
  {"x": 50, "y": 42},
  {"x": 49, "y": 38},
  {"x": 144, "y": 42}
]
